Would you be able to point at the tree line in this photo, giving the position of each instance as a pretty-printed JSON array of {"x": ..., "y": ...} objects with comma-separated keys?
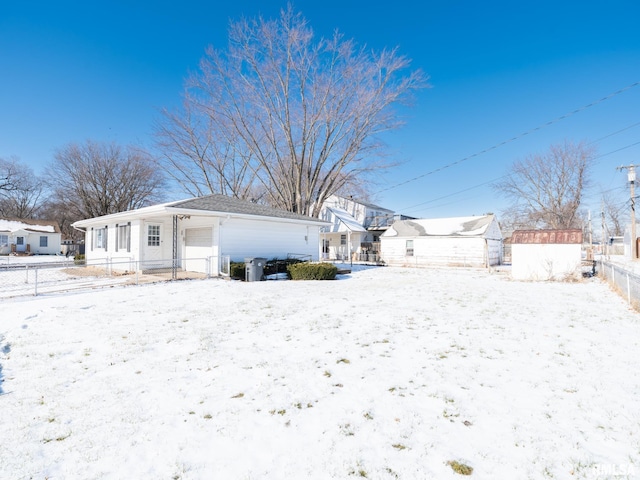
[{"x": 283, "y": 118}]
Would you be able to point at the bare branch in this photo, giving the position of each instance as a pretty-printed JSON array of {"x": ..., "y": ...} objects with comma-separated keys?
[
  {"x": 292, "y": 115},
  {"x": 546, "y": 190}
]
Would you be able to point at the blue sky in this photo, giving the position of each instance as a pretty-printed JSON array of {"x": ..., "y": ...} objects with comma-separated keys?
[{"x": 73, "y": 71}]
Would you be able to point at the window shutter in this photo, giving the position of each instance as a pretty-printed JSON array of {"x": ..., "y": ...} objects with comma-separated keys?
[
  {"x": 128, "y": 236},
  {"x": 106, "y": 236},
  {"x": 117, "y": 237},
  {"x": 92, "y": 242}
]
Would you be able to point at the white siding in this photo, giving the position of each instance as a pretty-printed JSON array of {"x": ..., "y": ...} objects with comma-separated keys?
[
  {"x": 445, "y": 251},
  {"x": 53, "y": 243},
  {"x": 121, "y": 260},
  {"x": 546, "y": 261},
  {"x": 242, "y": 238}
]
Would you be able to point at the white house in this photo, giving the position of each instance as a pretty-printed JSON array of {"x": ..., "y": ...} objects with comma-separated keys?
[
  {"x": 20, "y": 236},
  {"x": 355, "y": 228},
  {"x": 546, "y": 254},
  {"x": 459, "y": 241},
  {"x": 198, "y": 234}
]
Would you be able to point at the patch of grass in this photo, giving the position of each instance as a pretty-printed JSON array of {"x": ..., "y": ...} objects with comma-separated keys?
[
  {"x": 460, "y": 468},
  {"x": 327, "y": 373},
  {"x": 368, "y": 416},
  {"x": 239, "y": 395},
  {"x": 347, "y": 430},
  {"x": 398, "y": 446},
  {"x": 344, "y": 360},
  {"x": 208, "y": 416}
]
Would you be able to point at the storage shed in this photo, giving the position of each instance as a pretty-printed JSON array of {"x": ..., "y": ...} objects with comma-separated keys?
[
  {"x": 546, "y": 254},
  {"x": 459, "y": 241}
]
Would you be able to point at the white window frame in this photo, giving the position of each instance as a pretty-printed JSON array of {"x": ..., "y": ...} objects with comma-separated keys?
[
  {"x": 123, "y": 237},
  {"x": 409, "y": 248},
  {"x": 153, "y": 235},
  {"x": 100, "y": 238}
]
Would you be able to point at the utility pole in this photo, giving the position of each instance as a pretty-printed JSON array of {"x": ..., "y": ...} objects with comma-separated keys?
[
  {"x": 631, "y": 177},
  {"x": 604, "y": 244}
]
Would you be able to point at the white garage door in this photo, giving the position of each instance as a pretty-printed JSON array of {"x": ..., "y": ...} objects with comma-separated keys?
[
  {"x": 199, "y": 237},
  {"x": 198, "y": 248}
]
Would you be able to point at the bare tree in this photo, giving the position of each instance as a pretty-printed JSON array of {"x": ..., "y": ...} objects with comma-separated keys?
[
  {"x": 94, "y": 179},
  {"x": 21, "y": 192},
  {"x": 615, "y": 212},
  {"x": 10, "y": 175},
  {"x": 285, "y": 114},
  {"x": 547, "y": 189}
]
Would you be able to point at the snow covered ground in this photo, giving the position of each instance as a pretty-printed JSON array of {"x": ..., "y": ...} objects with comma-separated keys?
[{"x": 386, "y": 373}]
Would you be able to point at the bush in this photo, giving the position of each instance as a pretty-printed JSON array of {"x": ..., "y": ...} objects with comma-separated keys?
[
  {"x": 276, "y": 265},
  {"x": 312, "y": 271},
  {"x": 237, "y": 270},
  {"x": 79, "y": 259}
]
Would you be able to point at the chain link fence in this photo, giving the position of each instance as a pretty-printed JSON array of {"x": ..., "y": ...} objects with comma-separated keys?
[
  {"x": 20, "y": 279},
  {"x": 622, "y": 278}
]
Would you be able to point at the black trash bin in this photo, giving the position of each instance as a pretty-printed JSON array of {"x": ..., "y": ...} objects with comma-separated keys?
[{"x": 254, "y": 269}]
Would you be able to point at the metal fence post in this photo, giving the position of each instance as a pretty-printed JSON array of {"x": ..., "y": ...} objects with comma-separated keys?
[{"x": 35, "y": 294}]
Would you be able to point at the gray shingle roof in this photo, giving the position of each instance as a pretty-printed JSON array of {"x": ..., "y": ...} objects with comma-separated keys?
[{"x": 224, "y": 204}]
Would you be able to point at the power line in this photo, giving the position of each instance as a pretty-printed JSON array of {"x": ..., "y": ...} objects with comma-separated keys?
[
  {"x": 517, "y": 137},
  {"x": 598, "y": 157}
]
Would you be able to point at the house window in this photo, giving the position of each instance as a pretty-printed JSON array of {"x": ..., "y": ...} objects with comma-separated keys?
[
  {"x": 100, "y": 237},
  {"x": 4, "y": 240},
  {"x": 44, "y": 241},
  {"x": 123, "y": 238},
  {"x": 409, "y": 248},
  {"x": 19, "y": 240},
  {"x": 343, "y": 239},
  {"x": 153, "y": 235}
]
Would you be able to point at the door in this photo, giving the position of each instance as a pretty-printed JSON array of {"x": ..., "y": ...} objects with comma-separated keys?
[
  {"x": 152, "y": 247},
  {"x": 198, "y": 249},
  {"x": 20, "y": 244}
]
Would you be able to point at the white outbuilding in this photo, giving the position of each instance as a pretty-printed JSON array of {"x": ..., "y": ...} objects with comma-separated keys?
[
  {"x": 460, "y": 241},
  {"x": 546, "y": 254},
  {"x": 199, "y": 235}
]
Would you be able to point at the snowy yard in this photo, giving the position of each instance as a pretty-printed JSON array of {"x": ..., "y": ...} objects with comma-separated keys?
[{"x": 386, "y": 373}]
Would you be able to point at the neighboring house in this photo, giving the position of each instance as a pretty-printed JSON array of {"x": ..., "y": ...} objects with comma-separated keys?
[
  {"x": 460, "y": 241},
  {"x": 546, "y": 254},
  {"x": 355, "y": 229},
  {"x": 198, "y": 234},
  {"x": 19, "y": 236}
]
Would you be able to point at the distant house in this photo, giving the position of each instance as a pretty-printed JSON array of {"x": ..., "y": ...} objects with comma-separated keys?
[
  {"x": 355, "y": 228},
  {"x": 25, "y": 237},
  {"x": 459, "y": 241},
  {"x": 198, "y": 234},
  {"x": 546, "y": 254}
]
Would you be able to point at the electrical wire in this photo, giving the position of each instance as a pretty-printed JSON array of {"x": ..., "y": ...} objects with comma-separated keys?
[
  {"x": 598, "y": 157},
  {"x": 517, "y": 137}
]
